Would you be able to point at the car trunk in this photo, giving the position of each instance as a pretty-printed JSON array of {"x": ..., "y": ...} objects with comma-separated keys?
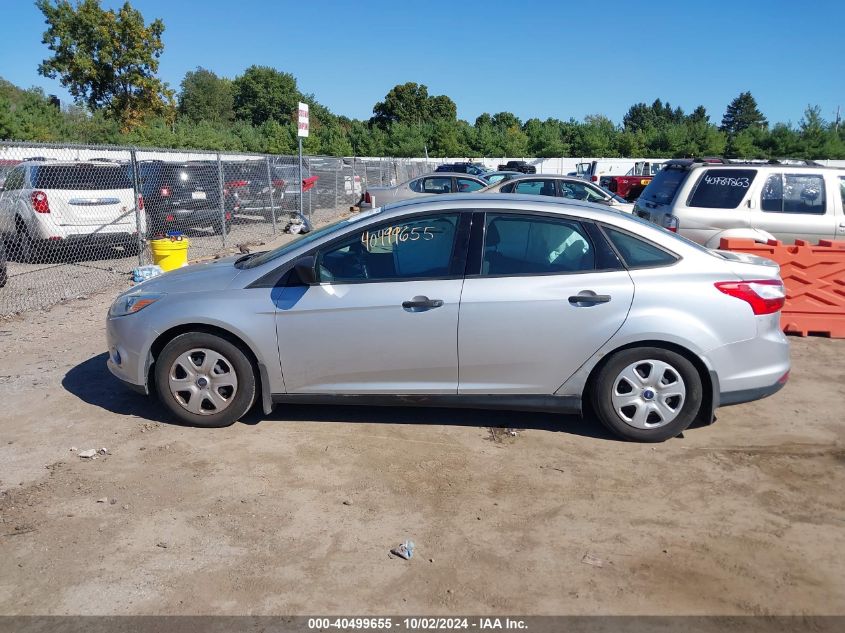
[
  {"x": 87, "y": 195},
  {"x": 749, "y": 267}
]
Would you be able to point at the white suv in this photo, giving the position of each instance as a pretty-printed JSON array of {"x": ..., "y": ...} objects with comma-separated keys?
[
  {"x": 706, "y": 200},
  {"x": 77, "y": 204}
]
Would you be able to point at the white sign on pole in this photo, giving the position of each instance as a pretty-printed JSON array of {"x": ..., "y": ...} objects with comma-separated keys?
[{"x": 303, "y": 120}]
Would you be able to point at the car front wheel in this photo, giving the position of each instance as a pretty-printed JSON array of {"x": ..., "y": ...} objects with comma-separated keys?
[
  {"x": 647, "y": 394},
  {"x": 205, "y": 380}
]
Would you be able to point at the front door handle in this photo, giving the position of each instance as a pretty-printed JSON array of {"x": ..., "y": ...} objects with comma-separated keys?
[
  {"x": 421, "y": 303},
  {"x": 588, "y": 298}
]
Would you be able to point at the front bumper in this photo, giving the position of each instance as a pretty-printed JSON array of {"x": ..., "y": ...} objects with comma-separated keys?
[{"x": 129, "y": 358}]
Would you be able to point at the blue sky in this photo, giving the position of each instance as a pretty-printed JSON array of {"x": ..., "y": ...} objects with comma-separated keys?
[{"x": 560, "y": 59}]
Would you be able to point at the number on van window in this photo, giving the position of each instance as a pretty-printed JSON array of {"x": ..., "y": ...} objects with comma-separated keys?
[{"x": 721, "y": 188}]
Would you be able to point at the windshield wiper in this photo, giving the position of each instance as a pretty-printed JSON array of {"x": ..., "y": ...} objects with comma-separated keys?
[{"x": 247, "y": 257}]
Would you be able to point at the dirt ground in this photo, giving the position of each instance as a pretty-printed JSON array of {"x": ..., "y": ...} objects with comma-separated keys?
[{"x": 295, "y": 513}]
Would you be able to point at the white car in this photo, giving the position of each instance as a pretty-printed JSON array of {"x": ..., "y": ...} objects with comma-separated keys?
[{"x": 45, "y": 204}]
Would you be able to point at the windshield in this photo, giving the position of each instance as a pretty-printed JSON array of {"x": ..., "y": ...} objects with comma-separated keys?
[
  {"x": 664, "y": 186},
  {"x": 308, "y": 238}
]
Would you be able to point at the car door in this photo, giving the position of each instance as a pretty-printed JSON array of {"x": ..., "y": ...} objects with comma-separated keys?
[
  {"x": 544, "y": 295},
  {"x": 796, "y": 205},
  {"x": 383, "y": 318}
]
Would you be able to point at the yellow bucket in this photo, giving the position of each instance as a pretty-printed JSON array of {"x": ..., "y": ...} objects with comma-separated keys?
[{"x": 170, "y": 254}]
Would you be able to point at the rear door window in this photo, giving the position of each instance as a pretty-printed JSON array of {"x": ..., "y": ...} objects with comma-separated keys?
[
  {"x": 720, "y": 188},
  {"x": 536, "y": 187},
  {"x": 580, "y": 191},
  {"x": 519, "y": 245},
  {"x": 466, "y": 185},
  {"x": 665, "y": 185},
  {"x": 437, "y": 184},
  {"x": 794, "y": 193},
  {"x": 82, "y": 176}
]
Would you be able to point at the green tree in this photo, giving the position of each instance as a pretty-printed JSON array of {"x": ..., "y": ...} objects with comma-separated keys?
[
  {"x": 206, "y": 97},
  {"x": 263, "y": 93},
  {"x": 742, "y": 113},
  {"x": 106, "y": 59},
  {"x": 406, "y": 103}
]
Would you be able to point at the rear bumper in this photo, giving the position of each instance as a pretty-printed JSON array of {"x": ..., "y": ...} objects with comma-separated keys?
[
  {"x": 755, "y": 368},
  {"x": 749, "y": 395}
]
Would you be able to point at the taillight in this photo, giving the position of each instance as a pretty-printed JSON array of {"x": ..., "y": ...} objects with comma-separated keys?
[
  {"x": 765, "y": 296},
  {"x": 234, "y": 184},
  {"x": 367, "y": 197},
  {"x": 278, "y": 183},
  {"x": 39, "y": 202},
  {"x": 140, "y": 202},
  {"x": 671, "y": 223},
  {"x": 594, "y": 178},
  {"x": 165, "y": 192}
]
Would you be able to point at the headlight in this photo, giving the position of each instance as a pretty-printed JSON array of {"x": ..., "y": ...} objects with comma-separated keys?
[{"x": 131, "y": 303}]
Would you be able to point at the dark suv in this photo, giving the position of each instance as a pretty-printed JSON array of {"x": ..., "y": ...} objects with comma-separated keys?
[
  {"x": 178, "y": 196},
  {"x": 473, "y": 169}
]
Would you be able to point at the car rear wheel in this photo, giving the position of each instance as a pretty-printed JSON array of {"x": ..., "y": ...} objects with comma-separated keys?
[
  {"x": 647, "y": 394},
  {"x": 25, "y": 251},
  {"x": 205, "y": 380}
]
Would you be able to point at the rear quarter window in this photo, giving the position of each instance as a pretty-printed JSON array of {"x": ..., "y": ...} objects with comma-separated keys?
[
  {"x": 639, "y": 253},
  {"x": 721, "y": 188}
]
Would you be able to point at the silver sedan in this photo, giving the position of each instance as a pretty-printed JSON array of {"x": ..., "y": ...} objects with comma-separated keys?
[
  {"x": 427, "y": 185},
  {"x": 544, "y": 304},
  {"x": 562, "y": 187}
]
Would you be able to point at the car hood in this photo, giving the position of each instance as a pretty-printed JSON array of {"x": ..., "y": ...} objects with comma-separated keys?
[{"x": 201, "y": 277}]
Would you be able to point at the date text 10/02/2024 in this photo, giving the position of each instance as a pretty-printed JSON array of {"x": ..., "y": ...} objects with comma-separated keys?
[{"x": 417, "y": 623}]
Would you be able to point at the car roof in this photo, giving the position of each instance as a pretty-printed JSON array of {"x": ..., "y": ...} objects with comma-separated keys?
[
  {"x": 551, "y": 176},
  {"x": 441, "y": 174},
  {"x": 721, "y": 163},
  {"x": 505, "y": 200},
  {"x": 71, "y": 163}
]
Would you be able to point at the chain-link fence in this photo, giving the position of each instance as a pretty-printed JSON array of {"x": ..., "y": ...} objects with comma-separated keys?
[{"x": 78, "y": 218}]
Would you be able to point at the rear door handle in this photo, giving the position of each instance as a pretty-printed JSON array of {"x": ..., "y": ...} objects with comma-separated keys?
[
  {"x": 421, "y": 303},
  {"x": 588, "y": 298}
]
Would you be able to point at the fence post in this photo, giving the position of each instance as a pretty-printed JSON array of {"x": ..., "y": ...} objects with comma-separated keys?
[
  {"x": 222, "y": 199},
  {"x": 272, "y": 198},
  {"x": 353, "y": 182},
  {"x": 137, "y": 190},
  {"x": 335, "y": 186}
]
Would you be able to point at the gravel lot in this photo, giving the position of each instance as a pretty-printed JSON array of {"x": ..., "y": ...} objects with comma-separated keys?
[{"x": 295, "y": 513}]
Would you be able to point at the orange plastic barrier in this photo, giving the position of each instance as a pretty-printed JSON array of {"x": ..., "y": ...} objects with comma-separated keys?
[{"x": 814, "y": 276}]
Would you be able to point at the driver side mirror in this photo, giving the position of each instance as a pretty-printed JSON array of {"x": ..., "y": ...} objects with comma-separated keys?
[{"x": 306, "y": 269}]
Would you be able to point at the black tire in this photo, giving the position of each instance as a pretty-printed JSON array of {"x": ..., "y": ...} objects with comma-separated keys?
[
  {"x": 24, "y": 248},
  {"x": 604, "y": 383},
  {"x": 242, "y": 399},
  {"x": 4, "y": 276}
]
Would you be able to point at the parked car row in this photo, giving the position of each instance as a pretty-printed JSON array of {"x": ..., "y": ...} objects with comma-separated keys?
[
  {"x": 502, "y": 182},
  {"x": 46, "y": 204}
]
